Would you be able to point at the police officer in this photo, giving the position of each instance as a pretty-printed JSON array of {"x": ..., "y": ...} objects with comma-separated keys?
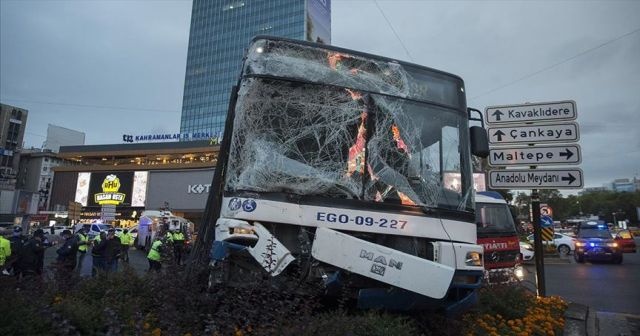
[
  {"x": 17, "y": 240},
  {"x": 67, "y": 252},
  {"x": 126, "y": 240},
  {"x": 178, "y": 245},
  {"x": 31, "y": 256},
  {"x": 5, "y": 253},
  {"x": 83, "y": 244},
  {"x": 154, "y": 256},
  {"x": 98, "y": 254}
]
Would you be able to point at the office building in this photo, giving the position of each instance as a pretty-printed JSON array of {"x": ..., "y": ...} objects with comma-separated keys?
[
  {"x": 220, "y": 33},
  {"x": 60, "y": 136},
  {"x": 36, "y": 172},
  {"x": 13, "y": 121},
  {"x": 150, "y": 176}
]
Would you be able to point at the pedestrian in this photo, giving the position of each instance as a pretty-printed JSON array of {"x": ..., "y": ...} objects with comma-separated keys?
[
  {"x": 178, "y": 245},
  {"x": 31, "y": 256},
  {"x": 112, "y": 251},
  {"x": 154, "y": 256},
  {"x": 83, "y": 245},
  {"x": 5, "y": 253},
  {"x": 126, "y": 240},
  {"x": 98, "y": 254},
  {"x": 67, "y": 253}
]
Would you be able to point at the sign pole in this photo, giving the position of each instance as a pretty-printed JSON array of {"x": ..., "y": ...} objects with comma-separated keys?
[{"x": 537, "y": 243}]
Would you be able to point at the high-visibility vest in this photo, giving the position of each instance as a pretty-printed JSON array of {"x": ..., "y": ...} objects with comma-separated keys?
[
  {"x": 83, "y": 238},
  {"x": 5, "y": 249},
  {"x": 154, "y": 252},
  {"x": 126, "y": 239},
  {"x": 178, "y": 236},
  {"x": 169, "y": 236}
]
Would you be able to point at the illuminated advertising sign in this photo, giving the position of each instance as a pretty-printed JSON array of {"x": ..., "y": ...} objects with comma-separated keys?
[
  {"x": 110, "y": 195},
  {"x": 112, "y": 188},
  {"x": 82, "y": 188}
]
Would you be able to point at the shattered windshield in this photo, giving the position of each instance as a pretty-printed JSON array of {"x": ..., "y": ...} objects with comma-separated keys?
[{"x": 340, "y": 142}]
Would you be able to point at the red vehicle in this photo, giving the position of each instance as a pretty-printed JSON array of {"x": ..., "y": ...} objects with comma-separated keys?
[
  {"x": 625, "y": 241},
  {"x": 497, "y": 234}
]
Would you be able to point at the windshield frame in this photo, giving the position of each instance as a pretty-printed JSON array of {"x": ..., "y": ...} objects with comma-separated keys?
[{"x": 500, "y": 231}]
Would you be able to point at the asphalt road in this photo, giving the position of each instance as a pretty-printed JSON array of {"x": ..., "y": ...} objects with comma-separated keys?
[{"x": 602, "y": 286}]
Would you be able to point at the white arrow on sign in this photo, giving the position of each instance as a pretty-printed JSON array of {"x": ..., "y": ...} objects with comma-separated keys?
[
  {"x": 560, "y": 132},
  {"x": 550, "y": 111},
  {"x": 533, "y": 156},
  {"x": 536, "y": 179}
]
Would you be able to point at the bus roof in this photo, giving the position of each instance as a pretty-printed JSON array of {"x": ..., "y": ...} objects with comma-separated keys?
[{"x": 352, "y": 52}]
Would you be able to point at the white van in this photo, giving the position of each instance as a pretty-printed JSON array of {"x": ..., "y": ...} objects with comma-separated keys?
[
  {"x": 150, "y": 224},
  {"x": 93, "y": 229}
]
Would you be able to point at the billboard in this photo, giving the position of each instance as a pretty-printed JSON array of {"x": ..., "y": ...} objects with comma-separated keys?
[
  {"x": 318, "y": 21},
  {"x": 183, "y": 190},
  {"x": 112, "y": 189}
]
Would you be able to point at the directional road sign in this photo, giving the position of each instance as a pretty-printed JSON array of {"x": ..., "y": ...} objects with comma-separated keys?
[
  {"x": 551, "y": 111},
  {"x": 535, "y": 156},
  {"x": 546, "y": 221},
  {"x": 557, "y": 132},
  {"x": 536, "y": 179}
]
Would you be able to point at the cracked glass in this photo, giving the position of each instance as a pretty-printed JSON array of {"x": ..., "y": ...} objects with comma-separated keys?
[{"x": 311, "y": 121}]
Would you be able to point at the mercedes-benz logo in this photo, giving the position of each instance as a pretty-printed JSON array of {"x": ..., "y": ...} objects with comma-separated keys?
[{"x": 495, "y": 257}]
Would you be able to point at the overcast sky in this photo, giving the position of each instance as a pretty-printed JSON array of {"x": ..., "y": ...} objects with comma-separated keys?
[{"x": 123, "y": 62}]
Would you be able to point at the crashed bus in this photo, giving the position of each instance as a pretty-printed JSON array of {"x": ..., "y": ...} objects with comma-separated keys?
[{"x": 332, "y": 170}]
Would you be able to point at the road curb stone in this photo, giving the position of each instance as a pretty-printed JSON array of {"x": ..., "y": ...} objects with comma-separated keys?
[{"x": 575, "y": 320}]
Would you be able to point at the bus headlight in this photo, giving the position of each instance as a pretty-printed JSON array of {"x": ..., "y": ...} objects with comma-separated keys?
[
  {"x": 474, "y": 259},
  {"x": 242, "y": 230},
  {"x": 519, "y": 272}
]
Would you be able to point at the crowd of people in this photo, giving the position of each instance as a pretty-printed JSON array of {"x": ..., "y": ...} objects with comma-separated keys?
[{"x": 23, "y": 256}]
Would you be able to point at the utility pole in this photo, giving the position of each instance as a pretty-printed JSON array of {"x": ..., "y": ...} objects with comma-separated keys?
[{"x": 537, "y": 246}]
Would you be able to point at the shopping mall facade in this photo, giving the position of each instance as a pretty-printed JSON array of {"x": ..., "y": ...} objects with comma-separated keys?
[{"x": 133, "y": 178}]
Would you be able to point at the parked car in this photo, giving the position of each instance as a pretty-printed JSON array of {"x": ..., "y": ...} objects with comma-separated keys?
[
  {"x": 626, "y": 242},
  {"x": 564, "y": 243},
  {"x": 526, "y": 252}
]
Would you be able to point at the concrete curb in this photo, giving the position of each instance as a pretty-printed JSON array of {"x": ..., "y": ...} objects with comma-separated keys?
[
  {"x": 556, "y": 261},
  {"x": 575, "y": 320}
]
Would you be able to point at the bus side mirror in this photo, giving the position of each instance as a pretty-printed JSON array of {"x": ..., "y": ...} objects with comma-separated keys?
[{"x": 479, "y": 141}]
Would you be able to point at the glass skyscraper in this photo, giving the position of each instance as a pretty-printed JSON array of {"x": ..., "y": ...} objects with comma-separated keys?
[{"x": 220, "y": 33}]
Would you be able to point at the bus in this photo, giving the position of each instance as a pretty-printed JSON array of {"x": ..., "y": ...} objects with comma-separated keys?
[{"x": 332, "y": 171}]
